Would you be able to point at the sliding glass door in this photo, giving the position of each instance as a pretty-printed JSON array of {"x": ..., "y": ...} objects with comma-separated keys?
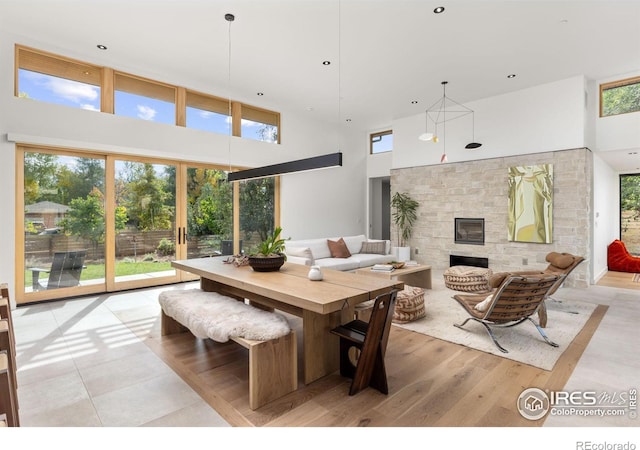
[
  {"x": 143, "y": 219},
  {"x": 92, "y": 223},
  {"x": 209, "y": 213},
  {"x": 630, "y": 212},
  {"x": 63, "y": 224},
  {"x": 258, "y": 208}
]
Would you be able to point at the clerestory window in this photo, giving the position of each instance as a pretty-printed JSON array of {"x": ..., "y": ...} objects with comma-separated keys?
[
  {"x": 620, "y": 97},
  {"x": 381, "y": 142}
]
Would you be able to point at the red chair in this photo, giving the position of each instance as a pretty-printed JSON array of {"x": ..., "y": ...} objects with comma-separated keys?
[{"x": 620, "y": 260}]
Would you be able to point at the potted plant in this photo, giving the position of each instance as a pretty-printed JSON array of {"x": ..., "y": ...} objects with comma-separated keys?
[
  {"x": 270, "y": 255},
  {"x": 404, "y": 216}
]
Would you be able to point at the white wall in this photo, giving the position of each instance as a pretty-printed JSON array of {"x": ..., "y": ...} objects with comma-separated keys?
[
  {"x": 606, "y": 214},
  {"x": 330, "y": 202},
  {"x": 616, "y": 132},
  {"x": 543, "y": 118}
]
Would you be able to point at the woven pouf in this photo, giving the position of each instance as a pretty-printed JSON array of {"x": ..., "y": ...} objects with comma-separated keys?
[
  {"x": 409, "y": 305},
  {"x": 467, "y": 278}
]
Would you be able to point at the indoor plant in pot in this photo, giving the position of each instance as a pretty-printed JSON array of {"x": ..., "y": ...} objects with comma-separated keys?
[
  {"x": 270, "y": 255},
  {"x": 404, "y": 216}
]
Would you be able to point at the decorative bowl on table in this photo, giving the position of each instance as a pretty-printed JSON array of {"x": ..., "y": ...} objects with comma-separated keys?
[{"x": 270, "y": 263}]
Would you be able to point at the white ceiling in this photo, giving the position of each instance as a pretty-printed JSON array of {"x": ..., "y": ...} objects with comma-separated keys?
[{"x": 384, "y": 53}]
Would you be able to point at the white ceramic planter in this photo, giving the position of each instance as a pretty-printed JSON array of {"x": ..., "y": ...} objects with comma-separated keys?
[{"x": 404, "y": 254}]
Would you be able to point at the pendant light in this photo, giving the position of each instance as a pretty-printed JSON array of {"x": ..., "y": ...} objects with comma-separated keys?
[{"x": 437, "y": 114}]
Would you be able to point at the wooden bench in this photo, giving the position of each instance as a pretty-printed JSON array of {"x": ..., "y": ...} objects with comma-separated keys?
[
  {"x": 273, "y": 363},
  {"x": 8, "y": 393},
  {"x": 8, "y": 350}
]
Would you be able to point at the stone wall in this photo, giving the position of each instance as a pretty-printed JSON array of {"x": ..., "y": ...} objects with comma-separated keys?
[{"x": 478, "y": 189}]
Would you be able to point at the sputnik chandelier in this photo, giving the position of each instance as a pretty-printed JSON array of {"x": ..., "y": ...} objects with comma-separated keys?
[{"x": 438, "y": 114}]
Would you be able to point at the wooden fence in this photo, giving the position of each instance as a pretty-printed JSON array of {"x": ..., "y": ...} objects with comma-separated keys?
[{"x": 128, "y": 244}]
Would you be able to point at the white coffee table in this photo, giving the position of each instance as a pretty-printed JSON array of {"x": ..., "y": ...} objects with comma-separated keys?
[{"x": 419, "y": 275}]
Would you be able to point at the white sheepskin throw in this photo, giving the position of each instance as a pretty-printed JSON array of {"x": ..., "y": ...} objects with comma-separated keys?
[{"x": 215, "y": 316}]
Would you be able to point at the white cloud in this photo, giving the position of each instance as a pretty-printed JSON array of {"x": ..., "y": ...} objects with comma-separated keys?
[
  {"x": 250, "y": 123},
  {"x": 89, "y": 107},
  {"x": 72, "y": 90},
  {"x": 146, "y": 112}
]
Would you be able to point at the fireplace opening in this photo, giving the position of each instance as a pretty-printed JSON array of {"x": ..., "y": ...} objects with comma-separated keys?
[
  {"x": 469, "y": 231},
  {"x": 459, "y": 260}
]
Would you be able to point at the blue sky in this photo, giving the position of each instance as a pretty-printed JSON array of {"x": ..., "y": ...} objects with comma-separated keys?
[
  {"x": 52, "y": 89},
  {"x": 383, "y": 144}
]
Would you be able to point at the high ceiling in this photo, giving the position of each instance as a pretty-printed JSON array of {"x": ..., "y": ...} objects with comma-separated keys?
[{"x": 384, "y": 54}]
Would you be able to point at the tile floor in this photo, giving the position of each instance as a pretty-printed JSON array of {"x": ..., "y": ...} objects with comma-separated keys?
[{"x": 83, "y": 363}]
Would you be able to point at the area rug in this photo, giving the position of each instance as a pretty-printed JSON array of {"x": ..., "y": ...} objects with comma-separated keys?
[{"x": 565, "y": 320}]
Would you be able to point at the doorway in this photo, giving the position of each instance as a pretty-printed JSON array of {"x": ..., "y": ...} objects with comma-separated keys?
[
  {"x": 630, "y": 212},
  {"x": 380, "y": 208}
]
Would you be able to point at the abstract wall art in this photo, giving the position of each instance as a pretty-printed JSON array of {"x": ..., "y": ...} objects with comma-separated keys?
[{"x": 531, "y": 203}]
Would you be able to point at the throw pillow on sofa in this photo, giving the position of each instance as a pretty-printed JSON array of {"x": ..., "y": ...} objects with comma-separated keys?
[
  {"x": 374, "y": 247},
  {"x": 338, "y": 248}
]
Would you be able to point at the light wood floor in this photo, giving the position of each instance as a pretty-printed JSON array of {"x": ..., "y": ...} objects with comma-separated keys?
[
  {"x": 431, "y": 383},
  {"x": 623, "y": 280}
]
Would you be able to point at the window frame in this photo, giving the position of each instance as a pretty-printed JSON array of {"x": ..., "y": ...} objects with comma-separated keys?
[
  {"x": 379, "y": 134},
  {"x": 106, "y": 79},
  {"x": 613, "y": 85},
  {"x": 45, "y": 63},
  {"x": 261, "y": 115},
  {"x": 206, "y": 102},
  {"x": 144, "y": 87}
]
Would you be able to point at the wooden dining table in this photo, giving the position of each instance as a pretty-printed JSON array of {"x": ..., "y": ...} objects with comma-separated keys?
[{"x": 322, "y": 305}]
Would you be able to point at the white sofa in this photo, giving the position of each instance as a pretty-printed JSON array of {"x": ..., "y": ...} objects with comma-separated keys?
[{"x": 316, "y": 252}]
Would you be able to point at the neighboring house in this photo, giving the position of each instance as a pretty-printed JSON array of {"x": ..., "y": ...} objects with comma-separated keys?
[{"x": 45, "y": 214}]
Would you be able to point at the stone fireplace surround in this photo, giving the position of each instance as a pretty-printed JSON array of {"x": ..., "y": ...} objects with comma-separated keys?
[{"x": 479, "y": 189}]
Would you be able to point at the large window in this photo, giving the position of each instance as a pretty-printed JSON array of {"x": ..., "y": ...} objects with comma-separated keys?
[
  {"x": 258, "y": 211},
  {"x": 620, "y": 97},
  {"x": 91, "y": 222},
  {"x": 630, "y": 212},
  {"x": 381, "y": 142},
  {"x": 64, "y": 221}
]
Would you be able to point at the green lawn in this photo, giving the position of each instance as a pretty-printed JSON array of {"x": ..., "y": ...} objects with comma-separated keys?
[{"x": 95, "y": 271}]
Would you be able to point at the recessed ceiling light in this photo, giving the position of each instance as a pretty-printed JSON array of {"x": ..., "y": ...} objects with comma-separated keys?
[
  {"x": 633, "y": 153},
  {"x": 260, "y": 94},
  {"x": 326, "y": 63},
  {"x": 511, "y": 75},
  {"x": 439, "y": 9},
  {"x": 348, "y": 120},
  {"x": 414, "y": 102},
  {"x": 101, "y": 47}
]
